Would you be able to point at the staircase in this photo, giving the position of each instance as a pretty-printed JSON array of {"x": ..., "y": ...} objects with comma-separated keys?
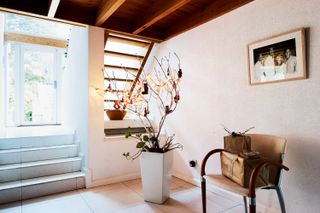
[
  {"x": 125, "y": 58},
  {"x": 39, "y": 165}
]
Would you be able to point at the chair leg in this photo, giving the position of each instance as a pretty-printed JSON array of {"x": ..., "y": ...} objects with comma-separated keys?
[
  {"x": 281, "y": 200},
  {"x": 252, "y": 205},
  {"x": 203, "y": 194},
  {"x": 245, "y": 204}
]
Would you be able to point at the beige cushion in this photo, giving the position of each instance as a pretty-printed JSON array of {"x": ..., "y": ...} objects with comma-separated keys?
[{"x": 227, "y": 184}]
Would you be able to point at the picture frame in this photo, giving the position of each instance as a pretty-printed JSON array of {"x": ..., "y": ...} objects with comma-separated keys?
[{"x": 278, "y": 58}]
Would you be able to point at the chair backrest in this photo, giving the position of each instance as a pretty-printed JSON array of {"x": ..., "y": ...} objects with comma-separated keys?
[{"x": 272, "y": 148}]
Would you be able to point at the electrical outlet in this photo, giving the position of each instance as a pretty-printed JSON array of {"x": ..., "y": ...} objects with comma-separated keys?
[{"x": 193, "y": 163}]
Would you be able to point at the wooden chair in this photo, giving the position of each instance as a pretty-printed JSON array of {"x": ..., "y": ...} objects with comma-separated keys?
[{"x": 272, "y": 149}]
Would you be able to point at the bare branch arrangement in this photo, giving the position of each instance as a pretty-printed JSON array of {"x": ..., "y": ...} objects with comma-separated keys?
[
  {"x": 112, "y": 88},
  {"x": 161, "y": 85}
]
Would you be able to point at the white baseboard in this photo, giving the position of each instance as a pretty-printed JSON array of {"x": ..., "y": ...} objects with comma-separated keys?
[{"x": 105, "y": 181}]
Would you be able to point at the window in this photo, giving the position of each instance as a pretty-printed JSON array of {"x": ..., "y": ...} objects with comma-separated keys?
[
  {"x": 123, "y": 61},
  {"x": 32, "y": 84},
  {"x": 35, "y": 51}
]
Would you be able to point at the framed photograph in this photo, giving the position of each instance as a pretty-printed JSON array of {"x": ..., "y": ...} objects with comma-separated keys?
[{"x": 278, "y": 58}]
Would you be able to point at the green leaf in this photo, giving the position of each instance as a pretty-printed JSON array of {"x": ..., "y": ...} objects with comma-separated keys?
[
  {"x": 153, "y": 139},
  {"x": 127, "y": 134},
  {"x": 140, "y": 145},
  {"x": 138, "y": 135},
  {"x": 145, "y": 138},
  {"x": 126, "y": 154}
]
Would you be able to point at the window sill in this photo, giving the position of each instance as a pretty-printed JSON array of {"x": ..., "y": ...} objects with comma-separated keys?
[
  {"x": 118, "y": 138},
  {"x": 133, "y": 123}
]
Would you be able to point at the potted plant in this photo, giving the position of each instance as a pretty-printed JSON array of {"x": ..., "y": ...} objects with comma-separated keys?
[
  {"x": 157, "y": 91},
  {"x": 117, "y": 113}
]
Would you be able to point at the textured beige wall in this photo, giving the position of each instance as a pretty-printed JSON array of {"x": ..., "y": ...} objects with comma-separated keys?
[{"x": 215, "y": 91}]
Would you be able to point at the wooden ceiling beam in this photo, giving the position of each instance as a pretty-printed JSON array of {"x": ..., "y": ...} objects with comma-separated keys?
[
  {"x": 17, "y": 37},
  {"x": 121, "y": 33},
  {"x": 129, "y": 41},
  {"x": 106, "y": 9},
  {"x": 158, "y": 11},
  {"x": 53, "y": 7},
  {"x": 213, "y": 10}
]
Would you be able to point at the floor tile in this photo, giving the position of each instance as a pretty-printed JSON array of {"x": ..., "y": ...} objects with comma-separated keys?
[
  {"x": 192, "y": 200},
  {"x": 142, "y": 208},
  {"x": 102, "y": 188},
  {"x": 54, "y": 197},
  {"x": 132, "y": 182},
  {"x": 221, "y": 201},
  {"x": 111, "y": 200},
  {"x": 11, "y": 208},
  {"x": 236, "y": 209},
  {"x": 136, "y": 188},
  {"x": 240, "y": 209},
  {"x": 62, "y": 203},
  {"x": 174, "y": 205},
  {"x": 127, "y": 197}
]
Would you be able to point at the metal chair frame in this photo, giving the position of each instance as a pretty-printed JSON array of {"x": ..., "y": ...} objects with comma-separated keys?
[{"x": 252, "y": 188}]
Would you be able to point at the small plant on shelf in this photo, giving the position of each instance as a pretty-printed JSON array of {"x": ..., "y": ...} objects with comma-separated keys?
[{"x": 157, "y": 90}]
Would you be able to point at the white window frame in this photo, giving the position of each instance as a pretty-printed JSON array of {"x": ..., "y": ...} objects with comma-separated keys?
[{"x": 20, "y": 48}]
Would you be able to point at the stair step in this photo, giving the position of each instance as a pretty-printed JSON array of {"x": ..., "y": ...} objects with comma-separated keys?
[
  {"x": 36, "y": 141},
  {"x": 38, "y": 163},
  {"x": 36, "y": 148},
  {"x": 22, "y": 155},
  {"x": 21, "y": 171},
  {"x": 35, "y": 187},
  {"x": 40, "y": 180}
]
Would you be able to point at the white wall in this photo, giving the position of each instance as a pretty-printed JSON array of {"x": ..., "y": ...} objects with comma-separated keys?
[
  {"x": 215, "y": 91},
  {"x": 106, "y": 163},
  {"x": 74, "y": 93}
]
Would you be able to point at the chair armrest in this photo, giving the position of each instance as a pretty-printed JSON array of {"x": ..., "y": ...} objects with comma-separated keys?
[
  {"x": 205, "y": 159},
  {"x": 255, "y": 173}
]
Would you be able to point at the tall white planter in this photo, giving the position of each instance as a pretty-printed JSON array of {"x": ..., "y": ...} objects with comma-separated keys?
[{"x": 156, "y": 171}]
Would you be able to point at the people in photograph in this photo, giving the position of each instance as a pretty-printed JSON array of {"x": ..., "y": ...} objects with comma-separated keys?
[
  {"x": 291, "y": 62},
  {"x": 258, "y": 68},
  {"x": 270, "y": 58},
  {"x": 269, "y": 66},
  {"x": 280, "y": 67}
]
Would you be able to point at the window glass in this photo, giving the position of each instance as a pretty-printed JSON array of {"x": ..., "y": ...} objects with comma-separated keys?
[
  {"x": 34, "y": 26},
  {"x": 123, "y": 62},
  {"x": 113, "y": 96},
  {"x": 117, "y": 85},
  {"x": 39, "y": 90},
  {"x": 119, "y": 73},
  {"x": 117, "y": 46}
]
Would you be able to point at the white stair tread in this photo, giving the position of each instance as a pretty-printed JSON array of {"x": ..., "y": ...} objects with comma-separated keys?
[
  {"x": 38, "y": 163},
  {"x": 40, "y": 180},
  {"x": 36, "y": 148},
  {"x": 36, "y": 131}
]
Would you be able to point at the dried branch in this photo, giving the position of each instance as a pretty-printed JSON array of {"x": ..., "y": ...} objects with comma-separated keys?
[{"x": 162, "y": 86}]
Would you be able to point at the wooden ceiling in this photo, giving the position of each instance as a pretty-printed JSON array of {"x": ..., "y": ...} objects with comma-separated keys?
[{"x": 157, "y": 19}]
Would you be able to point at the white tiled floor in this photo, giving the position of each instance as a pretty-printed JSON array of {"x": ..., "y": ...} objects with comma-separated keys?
[{"x": 124, "y": 197}]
